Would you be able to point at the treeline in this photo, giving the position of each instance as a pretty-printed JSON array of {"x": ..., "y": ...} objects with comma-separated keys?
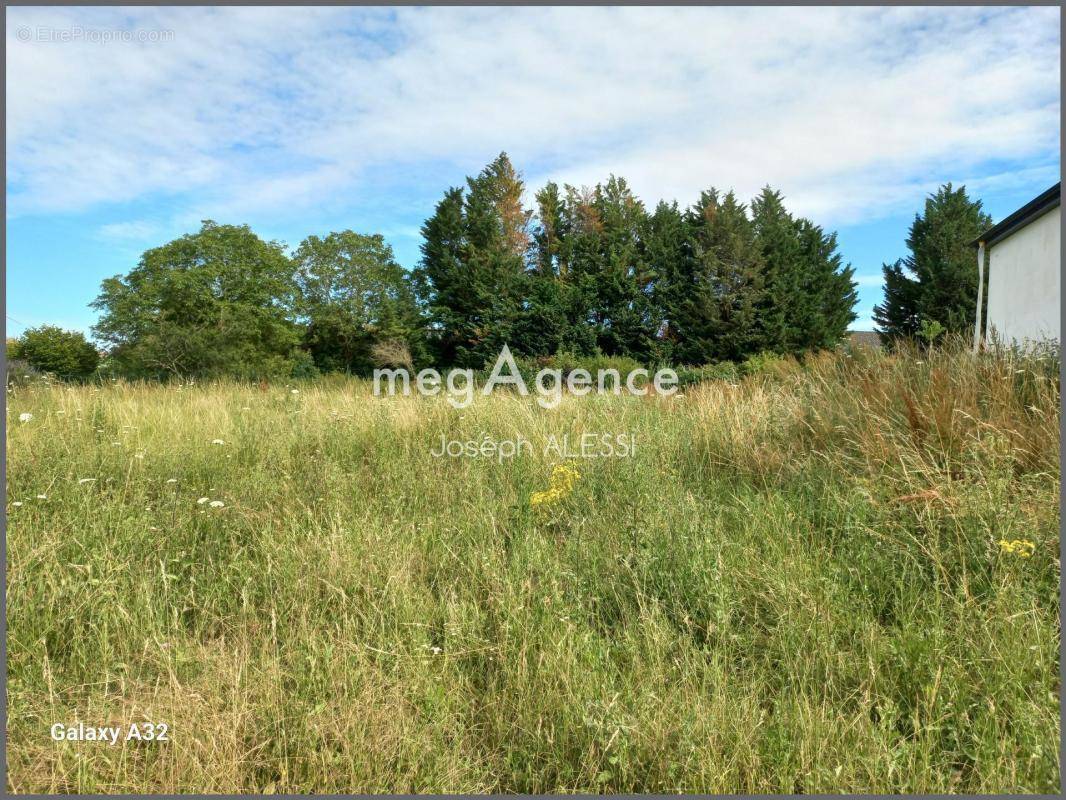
[{"x": 586, "y": 272}]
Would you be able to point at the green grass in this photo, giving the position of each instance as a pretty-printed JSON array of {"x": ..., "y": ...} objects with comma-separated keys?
[{"x": 795, "y": 585}]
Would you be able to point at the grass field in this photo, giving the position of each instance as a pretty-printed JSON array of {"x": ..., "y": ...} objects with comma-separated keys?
[{"x": 842, "y": 576}]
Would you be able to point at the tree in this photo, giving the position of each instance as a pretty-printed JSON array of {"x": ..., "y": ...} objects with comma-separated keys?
[
  {"x": 554, "y": 317},
  {"x": 809, "y": 297},
  {"x": 937, "y": 282},
  {"x": 721, "y": 285},
  {"x": 667, "y": 248},
  {"x": 474, "y": 265},
  {"x": 211, "y": 303},
  {"x": 626, "y": 322},
  {"x": 354, "y": 297},
  {"x": 65, "y": 354},
  {"x": 442, "y": 276}
]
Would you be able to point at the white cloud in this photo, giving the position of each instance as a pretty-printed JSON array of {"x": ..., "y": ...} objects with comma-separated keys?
[
  {"x": 867, "y": 279},
  {"x": 852, "y": 113},
  {"x": 137, "y": 230}
]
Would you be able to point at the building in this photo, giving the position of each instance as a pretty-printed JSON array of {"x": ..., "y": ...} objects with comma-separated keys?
[{"x": 1024, "y": 269}]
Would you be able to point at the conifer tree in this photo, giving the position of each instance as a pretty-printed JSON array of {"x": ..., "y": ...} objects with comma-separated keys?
[
  {"x": 555, "y": 318},
  {"x": 443, "y": 278},
  {"x": 808, "y": 298},
  {"x": 937, "y": 282},
  {"x": 474, "y": 264},
  {"x": 665, "y": 250},
  {"x": 622, "y": 305},
  {"x": 723, "y": 284}
]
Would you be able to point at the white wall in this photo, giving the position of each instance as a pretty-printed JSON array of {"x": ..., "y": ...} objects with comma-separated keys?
[{"x": 1023, "y": 282}]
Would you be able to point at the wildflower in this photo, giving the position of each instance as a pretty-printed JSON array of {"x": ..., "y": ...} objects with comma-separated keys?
[
  {"x": 561, "y": 485},
  {"x": 25, "y": 416},
  {"x": 202, "y": 500},
  {"x": 1023, "y": 548},
  {"x": 217, "y": 504},
  {"x": 217, "y": 441},
  {"x": 16, "y": 504},
  {"x": 295, "y": 391},
  {"x": 42, "y": 497},
  {"x": 86, "y": 480},
  {"x": 172, "y": 480}
]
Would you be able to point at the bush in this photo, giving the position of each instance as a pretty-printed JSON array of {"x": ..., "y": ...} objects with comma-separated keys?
[
  {"x": 722, "y": 371},
  {"x": 21, "y": 373},
  {"x": 65, "y": 354},
  {"x": 303, "y": 365}
]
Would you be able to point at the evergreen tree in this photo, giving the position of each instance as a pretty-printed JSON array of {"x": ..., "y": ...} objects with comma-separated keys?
[
  {"x": 808, "y": 298},
  {"x": 474, "y": 264},
  {"x": 550, "y": 231},
  {"x": 722, "y": 285},
  {"x": 666, "y": 249},
  {"x": 779, "y": 308},
  {"x": 937, "y": 282},
  {"x": 898, "y": 316},
  {"x": 443, "y": 278},
  {"x": 827, "y": 291},
  {"x": 555, "y": 318},
  {"x": 622, "y": 305}
]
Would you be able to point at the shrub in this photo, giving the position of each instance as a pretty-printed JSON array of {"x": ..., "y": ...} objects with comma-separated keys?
[
  {"x": 21, "y": 373},
  {"x": 303, "y": 365},
  {"x": 65, "y": 354},
  {"x": 722, "y": 371}
]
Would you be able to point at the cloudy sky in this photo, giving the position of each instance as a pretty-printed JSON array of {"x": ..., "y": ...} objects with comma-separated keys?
[{"x": 126, "y": 127}]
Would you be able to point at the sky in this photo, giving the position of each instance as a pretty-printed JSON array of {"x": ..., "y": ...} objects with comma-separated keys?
[{"x": 127, "y": 127}]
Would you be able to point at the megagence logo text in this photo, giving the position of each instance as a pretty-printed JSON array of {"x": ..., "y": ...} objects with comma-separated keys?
[{"x": 548, "y": 383}]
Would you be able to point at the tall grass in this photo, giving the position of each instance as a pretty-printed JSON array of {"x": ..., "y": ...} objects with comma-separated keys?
[{"x": 796, "y": 584}]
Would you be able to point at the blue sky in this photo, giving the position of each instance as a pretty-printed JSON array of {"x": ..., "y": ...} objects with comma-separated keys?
[{"x": 302, "y": 121}]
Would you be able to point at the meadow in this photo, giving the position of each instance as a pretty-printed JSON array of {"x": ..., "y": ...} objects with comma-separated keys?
[{"x": 835, "y": 576}]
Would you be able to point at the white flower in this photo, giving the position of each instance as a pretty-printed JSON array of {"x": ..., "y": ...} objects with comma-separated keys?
[
  {"x": 295, "y": 391},
  {"x": 217, "y": 504},
  {"x": 202, "y": 500},
  {"x": 217, "y": 441},
  {"x": 86, "y": 480},
  {"x": 25, "y": 416},
  {"x": 172, "y": 480},
  {"x": 42, "y": 497},
  {"x": 16, "y": 504}
]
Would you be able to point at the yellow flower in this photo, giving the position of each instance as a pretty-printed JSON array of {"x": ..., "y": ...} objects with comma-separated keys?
[
  {"x": 562, "y": 482},
  {"x": 1023, "y": 548}
]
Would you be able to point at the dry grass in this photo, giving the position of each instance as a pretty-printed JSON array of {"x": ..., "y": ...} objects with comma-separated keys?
[{"x": 796, "y": 584}]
